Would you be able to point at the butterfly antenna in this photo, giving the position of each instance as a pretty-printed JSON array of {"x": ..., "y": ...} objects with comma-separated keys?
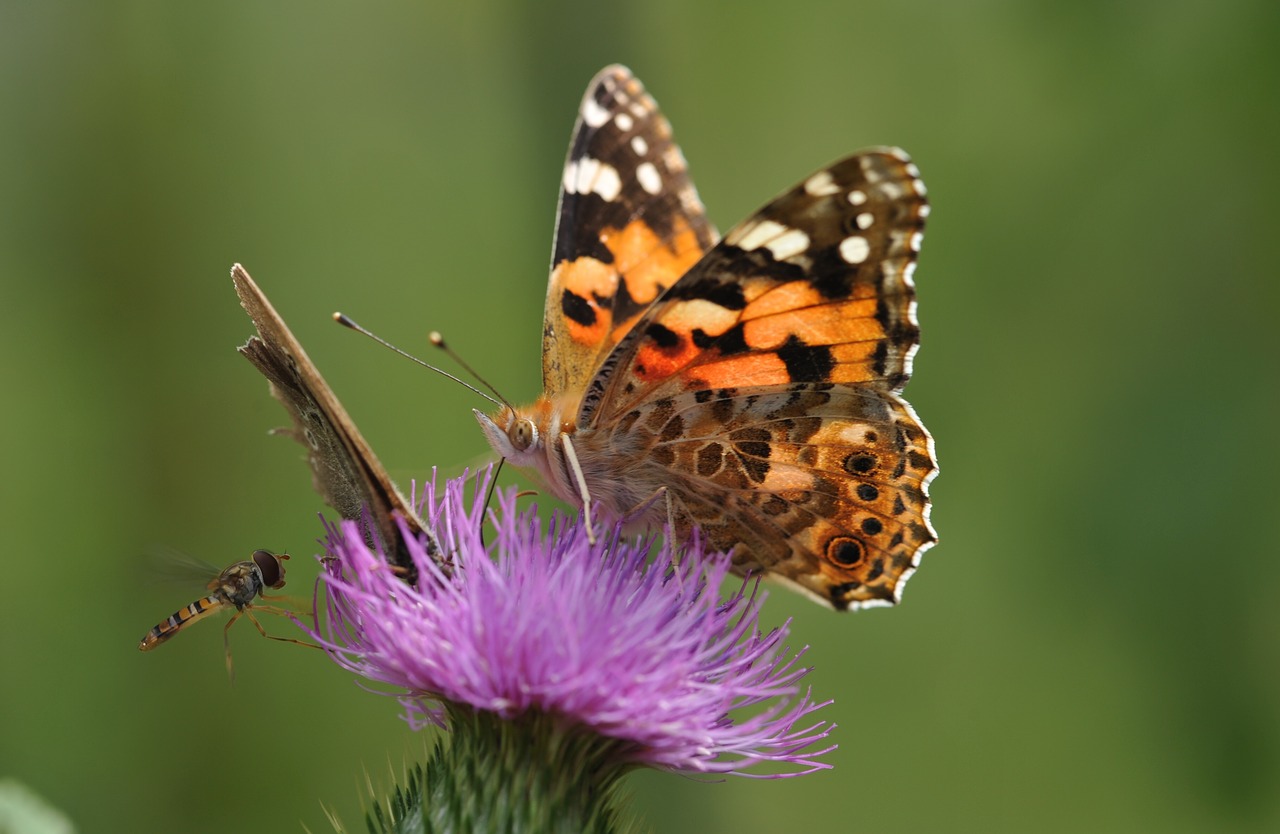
[
  {"x": 438, "y": 340},
  {"x": 343, "y": 320}
]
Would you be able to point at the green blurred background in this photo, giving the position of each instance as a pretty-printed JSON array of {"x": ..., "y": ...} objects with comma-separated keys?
[{"x": 1092, "y": 647}]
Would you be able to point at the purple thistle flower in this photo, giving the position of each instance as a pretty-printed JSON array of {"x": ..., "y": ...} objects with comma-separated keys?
[{"x": 639, "y": 652}]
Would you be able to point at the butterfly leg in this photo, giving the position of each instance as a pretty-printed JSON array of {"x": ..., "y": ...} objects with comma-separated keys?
[
  {"x": 644, "y": 506},
  {"x": 572, "y": 457},
  {"x": 671, "y": 514},
  {"x": 639, "y": 510}
]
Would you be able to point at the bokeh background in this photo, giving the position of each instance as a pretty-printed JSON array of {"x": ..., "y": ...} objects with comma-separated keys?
[{"x": 1094, "y": 645}]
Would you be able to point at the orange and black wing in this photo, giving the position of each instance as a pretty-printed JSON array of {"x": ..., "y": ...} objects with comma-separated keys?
[{"x": 629, "y": 225}]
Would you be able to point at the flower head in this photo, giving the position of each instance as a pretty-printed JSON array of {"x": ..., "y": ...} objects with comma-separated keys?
[{"x": 596, "y": 636}]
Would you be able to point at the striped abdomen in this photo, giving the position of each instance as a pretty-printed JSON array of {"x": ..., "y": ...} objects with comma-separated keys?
[{"x": 182, "y": 618}]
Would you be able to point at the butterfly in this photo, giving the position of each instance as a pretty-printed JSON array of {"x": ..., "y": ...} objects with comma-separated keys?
[
  {"x": 344, "y": 469},
  {"x": 750, "y": 387}
]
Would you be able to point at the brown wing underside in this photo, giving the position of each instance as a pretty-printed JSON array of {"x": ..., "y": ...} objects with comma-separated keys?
[
  {"x": 823, "y": 486},
  {"x": 345, "y": 471}
]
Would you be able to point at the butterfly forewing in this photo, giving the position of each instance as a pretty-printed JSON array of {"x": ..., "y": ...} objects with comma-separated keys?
[
  {"x": 815, "y": 287},
  {"x": 629, "y": 223}
]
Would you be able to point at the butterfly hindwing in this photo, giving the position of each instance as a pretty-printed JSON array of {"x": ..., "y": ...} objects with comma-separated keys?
[
  {"x": 629, "y": 224},
  {"x": 822, "y": 485}
]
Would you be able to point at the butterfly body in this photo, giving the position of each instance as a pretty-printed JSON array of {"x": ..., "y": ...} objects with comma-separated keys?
[
  {"x": 612, "y": 464},
  {"x": 753, "y": 382}
]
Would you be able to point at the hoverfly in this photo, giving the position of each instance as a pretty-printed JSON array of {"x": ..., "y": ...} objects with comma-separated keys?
[{"x": 234, "y": 587}]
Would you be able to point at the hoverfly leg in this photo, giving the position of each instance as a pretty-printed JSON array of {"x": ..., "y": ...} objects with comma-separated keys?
[{"x": 282, "y": 612}]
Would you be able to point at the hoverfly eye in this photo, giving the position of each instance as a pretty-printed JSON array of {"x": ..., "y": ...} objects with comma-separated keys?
[
  {"x": 270, "y": 567},
  {"x": 523, "y": 434}
]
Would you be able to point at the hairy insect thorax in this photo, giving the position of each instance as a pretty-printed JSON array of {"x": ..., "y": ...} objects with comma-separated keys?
[{"x": 532, "y": 437}]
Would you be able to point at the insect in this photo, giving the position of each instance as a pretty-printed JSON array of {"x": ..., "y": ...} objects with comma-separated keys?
[
  {"x": 235, "y": 587},
  {"x": 344, "y": 469},
  {"x": 753, "y": 384}
]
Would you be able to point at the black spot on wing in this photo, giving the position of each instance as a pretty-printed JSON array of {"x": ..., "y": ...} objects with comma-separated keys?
[
  {"x": 859, "y": 463},
  {"x": 845, "y": 551},
  {"x": 673, "y": 430},
  {"x": 727, "y": 294},
  {"x": 806, "y": 363},
  {"x": 663, "y": 336},
  {"x": 879, "y": 358},
  {"x": 710, "y": 459},
  {"x": 723, "y": 409},
  {"x": 582, "y": 212},
  {"x": 624, "y": 305},
  {"x": 577, "y": 309},
  {"x": 752, "y": 441},
  {"x": 831, "y": 275},
  {"x": 728, "y": 343},
  {"x": 756, "y": 469}
]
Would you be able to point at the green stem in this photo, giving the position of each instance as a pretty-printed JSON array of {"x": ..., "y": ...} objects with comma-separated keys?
[{"x": 530, "y": 775}]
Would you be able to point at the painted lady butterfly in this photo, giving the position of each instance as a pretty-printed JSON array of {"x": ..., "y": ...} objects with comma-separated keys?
[
  {"x": 344, "y": 469},
  {"x": 748, "y": 387}
]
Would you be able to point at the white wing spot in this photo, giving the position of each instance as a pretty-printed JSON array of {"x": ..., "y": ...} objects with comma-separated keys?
[
  {"x": 674, "y": 159},
  {"x": 593, "y": 114},
  {"x": 588, "y": 175},
  {"x": 893, "y": 190},
  {"x": 913, "y": 170},
  {"x": 854, "y": 249},
  {"x": 865, "y": 219},
  {"x": 754, "y": 235},
  {"x": 638, "y": 110},
  {"x": 919, "y": 186},
  {"x": 790, "y": 242},
  {"x": 857, "y": 198},
  {"x": 650, "y": 179},
  {"x": 924, "y": 211},
  {"x": 916, "y": 240},
  {"x": 624, "y": 122},
  {"x": 821, "y": 184},
  {"x": 640, "y": 146},
  {"x": 690, "y": 202},
  {"x": 607, "y": 183}
]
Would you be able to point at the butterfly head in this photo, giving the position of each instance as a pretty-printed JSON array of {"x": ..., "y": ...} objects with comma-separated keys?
[{"x": 512, "y": 434}]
